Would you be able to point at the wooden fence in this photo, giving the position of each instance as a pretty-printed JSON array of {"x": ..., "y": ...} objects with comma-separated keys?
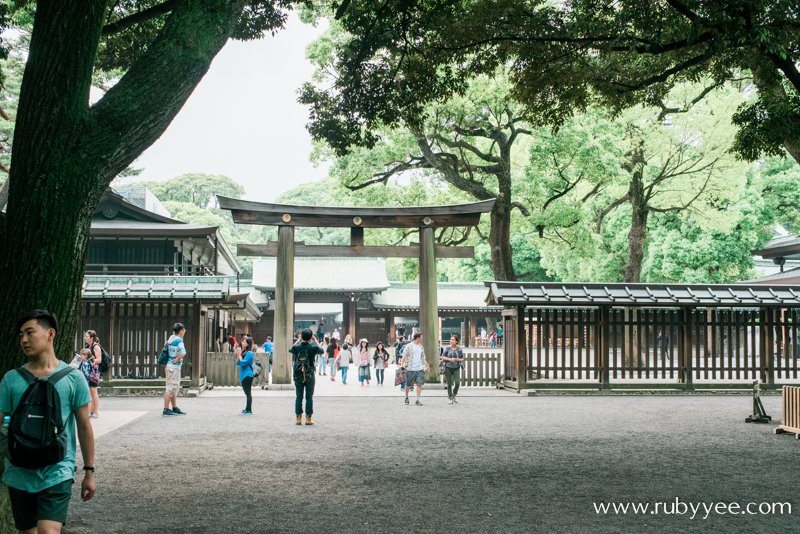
[
  {"x": 684, "y": 345},
  {"x": 133, "y": 334},
  {"x": 482, "y": 367},
  {"x": 791, "y": 411},
  {"x": 222, "y": 370}
]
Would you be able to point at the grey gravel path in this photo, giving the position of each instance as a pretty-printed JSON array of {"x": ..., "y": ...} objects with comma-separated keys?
[{"x": 503, "y": 464}]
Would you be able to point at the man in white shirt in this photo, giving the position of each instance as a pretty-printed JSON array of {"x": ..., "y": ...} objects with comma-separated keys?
[
  {"x": 335, "y": 334},
  {"x": 416, "y": 365}
]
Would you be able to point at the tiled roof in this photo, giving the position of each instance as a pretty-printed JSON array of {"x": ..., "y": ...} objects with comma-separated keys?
[
  {"x": 450, "y": 295},
  {"x": 644, "y": 295},
  {"x": 156, "y": 287}
]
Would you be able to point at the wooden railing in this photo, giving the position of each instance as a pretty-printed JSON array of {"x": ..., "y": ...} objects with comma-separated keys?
[
  {"x": 639, "y": 344},
  {"x": 791, "y": 411},
  {"x": 147, "y": 269},
  {"x": 221, "y": 369},
  {"x": 482, "y": 367}
]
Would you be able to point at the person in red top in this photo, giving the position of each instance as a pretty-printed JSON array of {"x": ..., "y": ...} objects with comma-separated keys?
[{"x": 231, "y": 343}]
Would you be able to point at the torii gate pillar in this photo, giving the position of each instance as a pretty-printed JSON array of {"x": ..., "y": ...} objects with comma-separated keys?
[
  {"x": 284, "y": 307},
  {"x": 428, "y": 301}
]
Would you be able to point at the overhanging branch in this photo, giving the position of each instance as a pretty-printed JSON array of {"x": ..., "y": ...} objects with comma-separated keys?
[{"x": 137, "y": 18}]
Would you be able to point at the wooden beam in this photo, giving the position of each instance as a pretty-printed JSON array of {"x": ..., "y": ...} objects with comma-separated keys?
[
  {"x": 270, "y": 250},
  {"x": 356, "y": 236},
  {"x": 455, "y": 215}
]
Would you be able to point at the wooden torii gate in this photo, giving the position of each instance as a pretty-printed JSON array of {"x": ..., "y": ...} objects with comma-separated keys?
[{"x": 287, "y": 216}]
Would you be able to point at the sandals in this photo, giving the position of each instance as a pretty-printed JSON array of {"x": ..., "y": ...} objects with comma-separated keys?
[{"x": 93, "y": 415}]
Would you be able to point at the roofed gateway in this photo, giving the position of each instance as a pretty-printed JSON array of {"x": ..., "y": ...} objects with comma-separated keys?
[{"x": 287, "y": 216}]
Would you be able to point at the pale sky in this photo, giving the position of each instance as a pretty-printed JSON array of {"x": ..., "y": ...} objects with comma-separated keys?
[{"x": 243, "y": 119}]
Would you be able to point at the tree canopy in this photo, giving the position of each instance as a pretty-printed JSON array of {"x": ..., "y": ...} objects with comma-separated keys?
[{"x": 564, "y": 57}]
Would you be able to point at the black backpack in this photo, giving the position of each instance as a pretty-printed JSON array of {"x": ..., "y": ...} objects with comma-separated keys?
[
  {"x": 36, "y": 436},
  {"x": 303, "y": 365},
  {"x": 105, "y": 360},
  {"x": 163, "y": 358}
]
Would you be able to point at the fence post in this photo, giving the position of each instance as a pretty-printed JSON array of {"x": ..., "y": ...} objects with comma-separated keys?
[
  {"x": 687, "y": 363},
  {"x": 603, "y": 340},
  {"x": 522, "y": 349},
  {"x": 769, "y": 353}
]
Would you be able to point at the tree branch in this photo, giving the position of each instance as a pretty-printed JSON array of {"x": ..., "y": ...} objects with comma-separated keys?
[
  {"x": 142, "y": 16},
  {"x": 451, "y": 174},
  {"x": 593, "y": 192},
  {"x": 705, "y": 56},
  {"x": 467, "y": 146},
  {"x": 521, "y": 208},
  {"x": 368, "y": 183},
  {"x": 666, "y": 111},
  {"x": 788, "y": 67},
  {"x": 609, "y": 209},
  {"x": 685, "y": 11}
]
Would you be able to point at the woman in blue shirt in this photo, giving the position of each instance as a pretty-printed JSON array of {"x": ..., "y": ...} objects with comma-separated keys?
[{"x": 245, "y": 364}]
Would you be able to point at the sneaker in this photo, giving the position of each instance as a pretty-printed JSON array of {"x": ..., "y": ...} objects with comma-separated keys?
[
  {"x": 455, "y": 399},
  {"x": 418, "y": 403},
  {"x": 333, "y": 380},
  {"x": 367, "y": 382},
  {"x": 246, "y": 412},
  {"x": 168, "y": 412},
  {"x": 406, "y": 400},
  {"x": 450, "y": 400},
  {"x": 177, "y": 411}
]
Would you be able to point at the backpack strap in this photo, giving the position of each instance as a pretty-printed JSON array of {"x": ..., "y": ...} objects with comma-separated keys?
[
  {"x": 27, "y": 375},
  {"x": 55, "y": 377}
]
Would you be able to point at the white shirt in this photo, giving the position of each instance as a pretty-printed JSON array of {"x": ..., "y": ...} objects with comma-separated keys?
[
  {"x": 417, "y": 361},
  {"x": 335, "y": 335}
]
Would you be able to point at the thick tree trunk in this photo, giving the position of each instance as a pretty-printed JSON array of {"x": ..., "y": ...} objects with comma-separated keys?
[
  {"x": 500, "y": 242},
  {"x": 638, "y": 232},
  {"x": 500, "y": 233},
  {"x": 66, "y": 153}
]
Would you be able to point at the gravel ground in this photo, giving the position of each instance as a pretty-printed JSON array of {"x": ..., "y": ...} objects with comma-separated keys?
[{"x": 502, "y": 464}]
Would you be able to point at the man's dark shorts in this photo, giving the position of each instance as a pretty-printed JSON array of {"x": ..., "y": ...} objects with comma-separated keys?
[
  {"x": 413, "y": 377},
  {"x": 49, "y": 504}
]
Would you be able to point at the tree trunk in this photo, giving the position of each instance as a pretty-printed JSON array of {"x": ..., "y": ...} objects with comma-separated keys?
[
  {"x": 639, "y": 212},
  {"x": 500, "y": 233},
  {"x": 500, "y": 242},
  {"x": 66, "y": 153}
]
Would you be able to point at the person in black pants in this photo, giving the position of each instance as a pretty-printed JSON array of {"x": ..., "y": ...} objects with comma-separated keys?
[
  {"x": 244, "y": 359},
  {"x": 304, "y": 352}
]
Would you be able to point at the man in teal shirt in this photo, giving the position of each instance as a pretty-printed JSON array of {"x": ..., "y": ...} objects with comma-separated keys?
[{"x": 40, "y": 497}]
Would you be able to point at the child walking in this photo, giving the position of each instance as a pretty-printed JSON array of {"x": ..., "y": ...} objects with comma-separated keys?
[{"x": 343, "y": 359}]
